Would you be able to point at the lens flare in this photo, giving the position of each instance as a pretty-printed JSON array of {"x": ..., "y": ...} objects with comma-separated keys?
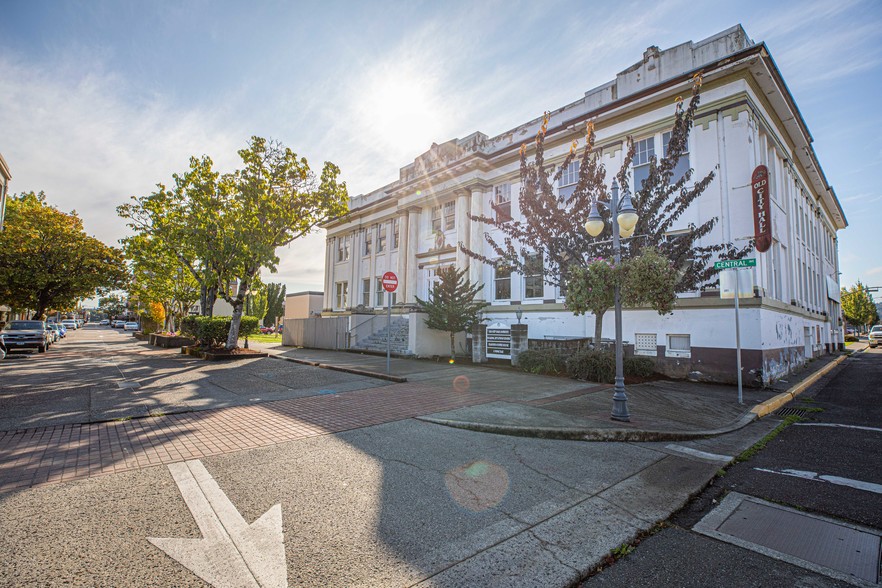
[
  {"x": 461, "y": 383},
  {"x": 477, "y": 486}
]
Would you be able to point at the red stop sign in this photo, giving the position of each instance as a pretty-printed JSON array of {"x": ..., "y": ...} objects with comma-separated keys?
[{"x": 390, "y": 282}]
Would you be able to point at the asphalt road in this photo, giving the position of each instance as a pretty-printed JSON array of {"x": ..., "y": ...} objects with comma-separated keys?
[
  {"x": 840, "y": 438},
  {"x": 395, "y": 504},
  {"x": 100, "y": 374}
]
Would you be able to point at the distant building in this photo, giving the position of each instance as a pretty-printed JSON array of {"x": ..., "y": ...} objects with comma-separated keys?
[
  {"x": 301, "y": 305},
  {"x": 747, "y": 118}
]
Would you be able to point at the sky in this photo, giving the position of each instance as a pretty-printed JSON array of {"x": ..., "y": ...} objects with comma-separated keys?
[{"x": 101, "y": 100}]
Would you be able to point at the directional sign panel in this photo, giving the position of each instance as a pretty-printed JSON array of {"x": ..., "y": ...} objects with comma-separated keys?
[{"x": 735, "y": 263}]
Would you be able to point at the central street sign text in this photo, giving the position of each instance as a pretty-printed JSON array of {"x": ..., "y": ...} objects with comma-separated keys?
[{"x": 735, "y": 263}]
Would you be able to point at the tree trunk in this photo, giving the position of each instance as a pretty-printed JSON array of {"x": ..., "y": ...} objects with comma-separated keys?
[
  {"x": 235, "y": 321},
  {"x": 598, "y": 328},
  {"x": 452, "y": 346}
]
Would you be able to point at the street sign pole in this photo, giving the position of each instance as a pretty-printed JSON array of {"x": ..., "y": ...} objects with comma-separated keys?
[
  {"x": 736, "y": 265},
  {"x": 738, "y": 332},
  {"x": 390, "y": 284},
  {"x": 388, "y": 333}
]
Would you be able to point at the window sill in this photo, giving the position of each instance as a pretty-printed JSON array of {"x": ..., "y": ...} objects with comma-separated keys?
[{"x": 669, "y": 353}]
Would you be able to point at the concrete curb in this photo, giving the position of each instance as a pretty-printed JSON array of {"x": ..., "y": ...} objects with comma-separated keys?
[
  {"x": 772, "y": 404},
  {"x": 336, "y": 368},
  {"x": 589, "y": 434}
]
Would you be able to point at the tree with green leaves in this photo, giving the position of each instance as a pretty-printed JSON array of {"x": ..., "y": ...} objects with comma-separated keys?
[
  {"x": 451, "y": 305},
  {"x": 858, "y": 306},
  {"x": 48, "y": 261},
  {"x": 226, "y": 228},
  {"x": 182, "y": 220},
  {"x": 273, "y": 200},
  {"x": 112, "y": 305},
  {"x": 552, "y": 224},
  {"x": 275, "y": 294},
  {"x": 158, "y": 276}
]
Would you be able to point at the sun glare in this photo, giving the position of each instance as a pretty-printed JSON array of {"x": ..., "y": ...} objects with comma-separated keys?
[{"x": 403, "y": 111}]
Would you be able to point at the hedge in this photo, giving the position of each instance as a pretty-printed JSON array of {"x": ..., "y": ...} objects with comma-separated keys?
[
  {"x": 542, "y": 361},
  {"x": 213, "y": 331}
]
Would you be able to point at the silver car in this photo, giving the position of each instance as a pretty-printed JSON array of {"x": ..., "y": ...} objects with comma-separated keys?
[{"x": 875, "y": 336}]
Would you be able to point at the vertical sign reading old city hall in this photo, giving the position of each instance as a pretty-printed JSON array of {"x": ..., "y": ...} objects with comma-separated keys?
[{"x": 762, "y": 216}]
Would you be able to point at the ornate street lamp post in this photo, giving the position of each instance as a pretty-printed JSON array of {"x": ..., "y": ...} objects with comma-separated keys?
[{"x": 623, "y": 224}]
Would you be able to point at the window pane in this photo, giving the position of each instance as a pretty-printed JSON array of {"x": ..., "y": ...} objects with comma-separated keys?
[
  {"x": 380, "y": 293},
  {"x": 645, "y": 149},
  {"x": 436, "y": 218},
  {"x": 449, "y": 216},
  {"x": 641, "y": 173},
  {"x": 381, "y": 238},
  {"x": 503, "y": 283},
  {"x": 678, "y": 342},
  {"x": 533, "y": 279},
  {"x": 501, "y": 203},
  {"x": 570, "y": 175}
]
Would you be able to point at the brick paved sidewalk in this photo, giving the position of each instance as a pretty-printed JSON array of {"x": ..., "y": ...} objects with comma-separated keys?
[{"x": 44, "y": 455}]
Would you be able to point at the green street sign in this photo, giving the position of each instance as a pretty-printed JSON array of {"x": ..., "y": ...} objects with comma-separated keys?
[{"x": 735, "y": 263}]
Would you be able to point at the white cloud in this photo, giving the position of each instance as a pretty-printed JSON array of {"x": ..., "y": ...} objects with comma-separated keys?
[{"x": 79, "y": 138}]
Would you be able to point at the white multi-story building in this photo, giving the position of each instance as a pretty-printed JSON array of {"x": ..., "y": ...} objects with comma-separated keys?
[{"x": 747, "y": 118}]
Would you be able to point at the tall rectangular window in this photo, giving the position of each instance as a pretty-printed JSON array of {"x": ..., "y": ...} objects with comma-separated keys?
[
  {"x": 502, "y": 282},
  {"x": 381, "y": 237},
  {"x": 342, "y": 294},
  {"x": 645, "y": 150},
  {"x": 380, "y": 293},
  {"x": 449, "y": 215},
  {"x": 366, "y": 292},
  {"x": 368, "y": 241},
  {"x": 343, "y": 248},
  {"x": 568, "y": 179},
  {"x": 436, "y": 218},
  {"x": 533, "y": 279},
  {"x": 501, "y": 203},
  {"x": 682, "y": 164},
  {"x": 396, "y": 228}
]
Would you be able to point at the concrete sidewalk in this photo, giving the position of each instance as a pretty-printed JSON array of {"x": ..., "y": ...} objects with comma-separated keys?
[{"x": 561, "y": 408}]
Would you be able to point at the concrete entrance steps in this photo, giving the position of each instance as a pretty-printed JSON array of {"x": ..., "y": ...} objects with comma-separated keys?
[{"x": 398, "y": 331}]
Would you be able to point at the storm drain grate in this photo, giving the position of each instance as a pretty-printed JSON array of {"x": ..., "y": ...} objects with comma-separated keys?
[
  {"x": 787, "y": 411},
  {"x": 823, "y": 545}
]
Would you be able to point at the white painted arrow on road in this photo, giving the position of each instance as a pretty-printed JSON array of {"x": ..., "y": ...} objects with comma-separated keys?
[{"x": 231, "y": 552}]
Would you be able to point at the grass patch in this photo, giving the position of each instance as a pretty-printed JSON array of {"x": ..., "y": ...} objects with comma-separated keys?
[
  {"x": 761, "y": 444},
  {"x": 268, "y": 338}
]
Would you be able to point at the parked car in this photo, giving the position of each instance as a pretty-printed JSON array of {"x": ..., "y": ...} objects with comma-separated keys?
[
  {"x": 104, "y": 322},
  {"x": 59, "y": 331},
  {"x": 70, "y": 324},
  {"x": 875, "y": 336},
  {"x": 26, "y": 335},
  {"x": 131, "y": 326},
  {"x": 118, "y": 324}
]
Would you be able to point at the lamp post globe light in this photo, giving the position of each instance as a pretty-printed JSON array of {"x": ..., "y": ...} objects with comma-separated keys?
[{"x": 624, "y": 220}]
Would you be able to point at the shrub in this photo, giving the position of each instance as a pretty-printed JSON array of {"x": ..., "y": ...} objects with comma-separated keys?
[
  {"x": 593, "y": 365},
  {"x": 851, "y": 339},
  {"x": 213, "y": 331},
  {"x": 639, "y": 366},
  {"x": 188, "y": 326},
  {"x": 599, "y": 365},
  {"x": 542, "y": 361}
]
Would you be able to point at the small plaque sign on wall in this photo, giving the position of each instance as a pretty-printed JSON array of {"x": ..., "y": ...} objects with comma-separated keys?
[{"x": 499, "y": 341}]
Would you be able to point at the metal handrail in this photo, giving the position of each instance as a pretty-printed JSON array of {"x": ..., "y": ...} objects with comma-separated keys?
[{"x": 349, "y": 332}]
